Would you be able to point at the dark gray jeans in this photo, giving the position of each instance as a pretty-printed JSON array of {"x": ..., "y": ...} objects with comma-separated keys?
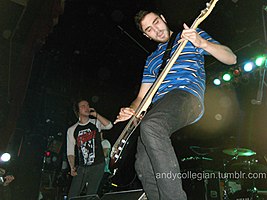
[
  {"x": 90, "y": 175},
  {"x": 155, "y": 154}
]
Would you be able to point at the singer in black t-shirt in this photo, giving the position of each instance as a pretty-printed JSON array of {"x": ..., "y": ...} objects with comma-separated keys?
[{"x": 85, "y": 137}]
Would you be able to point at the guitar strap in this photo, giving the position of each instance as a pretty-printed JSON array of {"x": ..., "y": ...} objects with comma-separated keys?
[{"x": 168, "y": 51}]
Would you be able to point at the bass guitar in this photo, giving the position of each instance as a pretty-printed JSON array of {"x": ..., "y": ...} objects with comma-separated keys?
[{"x": 122, "y": 141}]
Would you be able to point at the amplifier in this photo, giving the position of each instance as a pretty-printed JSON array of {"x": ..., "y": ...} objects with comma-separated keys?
[
  {"x": 205, "y": 187},
  {"x": 121, "y": 195}
]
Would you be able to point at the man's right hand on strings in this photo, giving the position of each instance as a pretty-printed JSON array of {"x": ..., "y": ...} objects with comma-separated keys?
[{"x": 125, "y": 114}]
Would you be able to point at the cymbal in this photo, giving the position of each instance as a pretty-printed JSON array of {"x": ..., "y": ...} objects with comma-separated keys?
[{"x": 239, "y": 152}]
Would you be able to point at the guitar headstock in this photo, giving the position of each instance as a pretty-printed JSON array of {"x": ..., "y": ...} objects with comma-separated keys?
[{"x": 204, "y": 13}]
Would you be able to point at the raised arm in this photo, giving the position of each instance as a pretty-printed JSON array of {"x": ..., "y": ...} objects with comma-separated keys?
[
  {"x": 218, "y": 51},
  {"x": 105, "y": 123}
]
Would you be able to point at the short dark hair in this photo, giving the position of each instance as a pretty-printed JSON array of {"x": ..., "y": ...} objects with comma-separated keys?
[
  {"x": 75, "y": 106},
  {"x": 140, "y": 16}
]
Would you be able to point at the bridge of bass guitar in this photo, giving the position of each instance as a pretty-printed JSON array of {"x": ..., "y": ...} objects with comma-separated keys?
[{"x": 123, "y": 141}]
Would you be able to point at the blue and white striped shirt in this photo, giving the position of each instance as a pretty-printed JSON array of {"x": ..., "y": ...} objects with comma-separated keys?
[{"x": 186, "y": 74}]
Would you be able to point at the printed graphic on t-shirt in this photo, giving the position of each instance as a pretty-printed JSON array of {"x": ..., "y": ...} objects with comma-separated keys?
[{"x": 86, "y": 144}]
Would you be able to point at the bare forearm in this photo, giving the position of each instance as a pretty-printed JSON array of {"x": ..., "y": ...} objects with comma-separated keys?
[
  {"x": 71, "y": 159},
  {"x": 103, "y": 120},
  {"x": 134, "y": 105},
  {"x": 220, "y": 52}
]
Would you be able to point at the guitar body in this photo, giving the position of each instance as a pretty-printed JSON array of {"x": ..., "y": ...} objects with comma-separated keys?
[
  {"x": 126, "y": 161},
  {"x": 122, "y": 141}
]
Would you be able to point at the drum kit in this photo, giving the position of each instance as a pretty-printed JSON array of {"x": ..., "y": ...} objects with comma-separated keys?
[{"x": 243, "y": 175}]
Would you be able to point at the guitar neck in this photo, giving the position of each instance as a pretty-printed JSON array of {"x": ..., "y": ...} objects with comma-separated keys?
[
  {"x": 142, "y": 108},
  {"x": 148, "y": 98}
]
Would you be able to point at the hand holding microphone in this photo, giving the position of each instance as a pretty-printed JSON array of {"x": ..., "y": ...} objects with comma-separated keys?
[{"x": 93, "y": 112}]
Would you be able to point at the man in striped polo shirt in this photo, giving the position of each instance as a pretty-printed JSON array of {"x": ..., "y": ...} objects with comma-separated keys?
[{"x": 177, "y": 103}]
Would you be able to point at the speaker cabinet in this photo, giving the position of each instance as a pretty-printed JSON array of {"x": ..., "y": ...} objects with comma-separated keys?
[{"x": 123, "y": 195}]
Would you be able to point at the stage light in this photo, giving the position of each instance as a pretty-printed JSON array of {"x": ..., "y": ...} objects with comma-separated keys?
[
  {"x": 226, "y": 77},
  {"x": 260, "y": 61},
  {"x": 217, "y": 81},
  {"x": 248, "y": 67},
  {"x": 242, "y": 72},
  {"x": 236, "y": 72},
  {"x": 47, "y": 153},
  {"x": 54, "y": 159},
  {"x": 5, "y": 157}
]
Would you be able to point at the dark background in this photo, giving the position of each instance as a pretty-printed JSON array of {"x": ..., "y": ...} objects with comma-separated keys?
[{"x": 52, "y": 53}]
